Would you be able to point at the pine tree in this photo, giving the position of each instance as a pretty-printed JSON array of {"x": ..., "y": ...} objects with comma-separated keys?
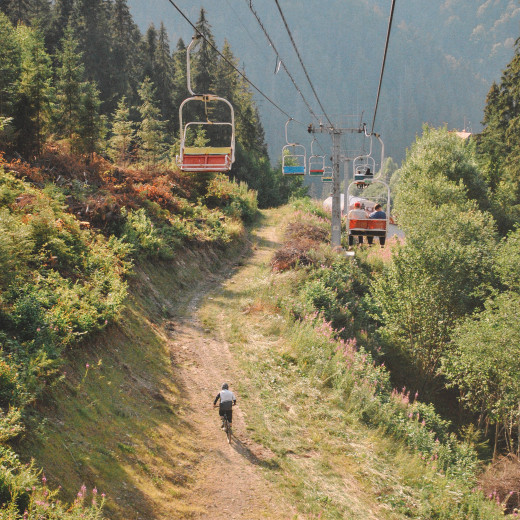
[
  {"x": 206, "y": 58},
  {"x": 164, "y": 73},
  {"x": 35, "y": 92},
  {"x": 10, "y": 66},
  {"x": 91, "y": 124},
  {"x": 68, "y": 86},
  {"x": 128, "y": 59},
  {"x": 122, "y": 134},
  {"x": 90, "y": 20},
  {"x": 151, "y": 128}
]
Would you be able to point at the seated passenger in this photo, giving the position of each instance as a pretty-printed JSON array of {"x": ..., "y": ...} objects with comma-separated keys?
[
  {"x": 356, "y": 214},
  {"x": 378, "y": 214}
]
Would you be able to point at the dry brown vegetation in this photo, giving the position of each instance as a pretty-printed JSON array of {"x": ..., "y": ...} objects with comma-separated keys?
[
  {"x": 98, "y": 189},
  {"x": 501, "y": 482},
  {"x": 301, "y": 238}
]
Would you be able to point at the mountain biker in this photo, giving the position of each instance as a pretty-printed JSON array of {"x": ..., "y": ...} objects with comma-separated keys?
[{"x": 227, "y": 400}]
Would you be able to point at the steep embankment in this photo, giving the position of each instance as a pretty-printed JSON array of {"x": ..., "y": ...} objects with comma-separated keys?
[{"x": 138, "y": 421}]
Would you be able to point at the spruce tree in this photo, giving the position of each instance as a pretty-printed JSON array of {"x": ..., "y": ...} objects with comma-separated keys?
[
  {"x": 27, "y": 11},
  {"x": 499, "y": 146},
  {"x": 91, "y": 124},
  {"x": 128, "y": 59},
  {"x": 10, "y": 66},
  {"x": 35, "y": 93},
  {"x": 68, "y": 86},
  {"x": 60, "y": 17},
  {"x": 179, "y": 89},
  {"x": 206, "y": 58},
  {"x": 164, "y": 74},
  {"x": 150, "y": 46},
  {"x": 90, "y": 19},
  {"x": 122, "y": 134},
  {"x": 151, "y": 129}
]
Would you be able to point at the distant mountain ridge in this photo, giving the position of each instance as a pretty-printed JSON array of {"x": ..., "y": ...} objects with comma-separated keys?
[{"x": 443, "y": 57}]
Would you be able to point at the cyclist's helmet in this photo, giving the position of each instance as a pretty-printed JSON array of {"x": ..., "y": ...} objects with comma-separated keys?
[{"x": 225, "y": 386}]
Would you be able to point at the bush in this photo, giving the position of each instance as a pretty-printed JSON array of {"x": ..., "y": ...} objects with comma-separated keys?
[{"x": 234, "y": 199}]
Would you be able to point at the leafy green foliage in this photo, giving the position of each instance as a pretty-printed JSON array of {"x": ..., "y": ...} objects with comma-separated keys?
[
  {"x": 234, "y": 198},
  {"x": 484, "y": 364},
  {"x": 58, "y": 283},
  {"x": 444, "y": 270}
]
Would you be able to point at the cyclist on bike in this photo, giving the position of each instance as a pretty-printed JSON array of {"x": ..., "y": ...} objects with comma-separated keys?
[{"x": 227, "y": 400}]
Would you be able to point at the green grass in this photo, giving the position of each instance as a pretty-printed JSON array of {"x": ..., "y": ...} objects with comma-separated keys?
[
  {"x": 325, "y": 459},
  {"x": 116, "y": 425}
]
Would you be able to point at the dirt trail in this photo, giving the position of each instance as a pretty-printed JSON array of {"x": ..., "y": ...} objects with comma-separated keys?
[{"x": 228, "y": 482}]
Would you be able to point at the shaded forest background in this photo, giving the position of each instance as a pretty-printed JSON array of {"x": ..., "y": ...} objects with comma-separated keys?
[{"x": 442, "y": 58}]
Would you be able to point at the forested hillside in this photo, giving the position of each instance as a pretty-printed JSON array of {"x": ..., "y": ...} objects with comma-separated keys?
[
  {"x": 407, "y": 353},
  {"x": 442, "y": 58}
]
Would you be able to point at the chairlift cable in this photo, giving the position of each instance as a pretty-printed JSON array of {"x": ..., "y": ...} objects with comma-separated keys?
[
  {"x": 230, "y": 63},
  {"x": 383, "y": 65},
  {"x": 280, "y": 60},
  {"x": 301, "y": 62}
]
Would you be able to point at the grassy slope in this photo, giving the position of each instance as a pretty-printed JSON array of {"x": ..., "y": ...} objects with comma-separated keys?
[
  {"x": 116, "y": 426},
  {"x": 326, "y": 461}
]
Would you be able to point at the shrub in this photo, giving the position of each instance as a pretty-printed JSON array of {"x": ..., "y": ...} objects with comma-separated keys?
[{"x": 235, "y": 199}]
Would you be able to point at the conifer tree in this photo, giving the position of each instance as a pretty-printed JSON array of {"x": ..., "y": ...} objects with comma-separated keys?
[
  {"x": 26, "y": 11},
  {"x": 499, "y": 146},
  {"x": 206, "y": 57},
  {"x": 150, "y": 45},
  {"x": 90, "y": 19},
  {"x": 164, "y": 73},
  {"x": 10, "y": 63},
  {"x": 122, "y": 134},
  {"x": 127, "y": 52},
  {"x": 35, "y": 92},
  {"x": 151, "y": 129},
  {"x": 179, "y": 88},
  {"x": 60, "y": 17},
  {"x": 68, "y": 85},
  {"x": 91, "y": 124}
]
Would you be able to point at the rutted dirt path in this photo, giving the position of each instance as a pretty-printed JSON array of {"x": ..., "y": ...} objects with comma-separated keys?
[{"x": 228, "y": 481}]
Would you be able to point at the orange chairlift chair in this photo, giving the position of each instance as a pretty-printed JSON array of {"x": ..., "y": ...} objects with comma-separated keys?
[{"x": 368, "y": 227}]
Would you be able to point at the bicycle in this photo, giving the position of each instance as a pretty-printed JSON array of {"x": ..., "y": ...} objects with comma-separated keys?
[{"x": 227, "y": 429}]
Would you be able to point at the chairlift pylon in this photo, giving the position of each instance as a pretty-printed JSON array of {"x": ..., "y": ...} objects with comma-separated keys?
[{"x": 204, "y": 158}]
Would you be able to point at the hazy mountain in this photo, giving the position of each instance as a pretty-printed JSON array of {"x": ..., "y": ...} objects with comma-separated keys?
[{"x": 442, "y": 59}]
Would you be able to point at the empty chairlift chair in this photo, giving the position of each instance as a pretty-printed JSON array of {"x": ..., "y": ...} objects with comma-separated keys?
[
  {"x": 294, "y": 157},
  {"x": 316, "y": 163},
  {"x": 207, "y": 158}
]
